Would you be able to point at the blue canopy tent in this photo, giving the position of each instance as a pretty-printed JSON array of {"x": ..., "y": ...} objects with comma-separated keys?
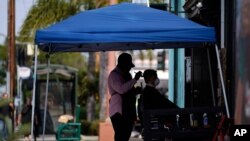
[{"x": 123, "y": 26}]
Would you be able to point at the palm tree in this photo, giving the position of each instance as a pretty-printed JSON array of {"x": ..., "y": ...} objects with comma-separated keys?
[
  {"x": 150, "y": 56},
  {"x": 103, "y": 84},
  {"x": 156, "y": 1},
  {"x": 44, "y": 13},
  {"x": 103, "y": 70},
  {"x": 37, "y": 18},
  {"x": 141, "y": 56},
  {"x": 150, "y": 1},
  {"x": 92, "y": 70},
  {"x": 47, "y": 12},
  {"x": 119, "y": 1}
]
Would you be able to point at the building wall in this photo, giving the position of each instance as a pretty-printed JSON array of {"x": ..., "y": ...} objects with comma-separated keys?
[{"x": 242, "y": 109}]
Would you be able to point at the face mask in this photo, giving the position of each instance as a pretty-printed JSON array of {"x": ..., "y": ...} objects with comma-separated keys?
[{"x": 157, "y": 81}]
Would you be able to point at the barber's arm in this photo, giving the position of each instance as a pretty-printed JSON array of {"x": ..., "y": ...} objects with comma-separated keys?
[{"x": 116, "y": 82}]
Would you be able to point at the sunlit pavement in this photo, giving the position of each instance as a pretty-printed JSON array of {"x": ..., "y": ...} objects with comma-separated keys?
[
  {"x": 83, "y": 138},
  {"x": 52, "y": 138}
]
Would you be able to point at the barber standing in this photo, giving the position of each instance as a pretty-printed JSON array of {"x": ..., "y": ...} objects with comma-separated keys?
[{"x": 123, "y": 97}]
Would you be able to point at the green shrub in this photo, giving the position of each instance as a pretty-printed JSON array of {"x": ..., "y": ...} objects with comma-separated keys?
[
  {"x": 83, "y": 112},
  {"x": 85, "y": 127},
  {"x": 94, "y": 128},
  {"x": 89, "y": 128}
]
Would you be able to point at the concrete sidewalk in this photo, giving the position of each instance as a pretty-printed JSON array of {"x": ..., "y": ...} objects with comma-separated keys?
[
  {"x": 83, "y": 138},
  {"x": 53, "y": 138}
]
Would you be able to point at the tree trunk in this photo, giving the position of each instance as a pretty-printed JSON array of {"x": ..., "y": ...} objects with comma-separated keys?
[
  {"x": 91, "y": 98},
  {"x": 103, "y": 85},
  {"x": 91, "y": 107}
]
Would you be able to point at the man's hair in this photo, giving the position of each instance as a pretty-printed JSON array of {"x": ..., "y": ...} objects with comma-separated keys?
[{"x": 149, "y": 73}]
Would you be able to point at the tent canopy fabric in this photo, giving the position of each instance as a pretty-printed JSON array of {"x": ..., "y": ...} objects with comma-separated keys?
[{"x": 124, "y": 26}]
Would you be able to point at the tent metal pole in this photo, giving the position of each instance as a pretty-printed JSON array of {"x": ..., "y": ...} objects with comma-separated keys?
[
  {"x": 222, "y": 24},
  {"x": 222, "y": 81},
  {"x": 46, "y": 95},
  {"x": 211, "y": 77},
  {"x": 34, "y": 92}
]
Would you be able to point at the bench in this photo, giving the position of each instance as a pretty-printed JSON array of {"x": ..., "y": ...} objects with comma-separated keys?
[{"x": 70, "y": 131}]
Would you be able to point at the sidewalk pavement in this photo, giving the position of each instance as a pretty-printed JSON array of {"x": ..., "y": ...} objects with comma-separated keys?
[
  {"x": 83, "y": 138},
  {"x": 52, "y": 138}
]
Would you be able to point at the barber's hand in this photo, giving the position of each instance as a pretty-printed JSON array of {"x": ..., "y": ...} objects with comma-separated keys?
[
  {"x": 138, "y": 90},
  {"x": 138, "y": 75}
]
